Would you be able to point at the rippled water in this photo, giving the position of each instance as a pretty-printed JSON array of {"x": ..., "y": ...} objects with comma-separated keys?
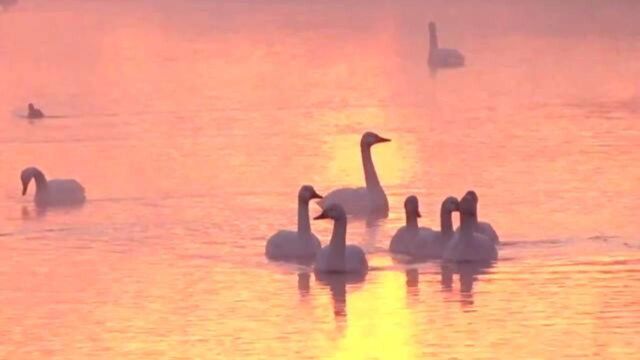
[{"x": 192, "y": 124}]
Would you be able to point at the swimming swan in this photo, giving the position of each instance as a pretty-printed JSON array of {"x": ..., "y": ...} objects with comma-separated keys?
[
  {"x": 34, "y": 112},
  {"x": 57, "y": 192},
  {"x": 405, "y": 240},
  {"x": 338, "y": 257},
  {"x": 369, "y": 201},
  {"x": 466, "y": 244},
  {"x": 424, "y": 242},
  {"x": 301, "y": 244},
  {"x": 482, "y": 227},
  {"x": 441, "y": 57}
]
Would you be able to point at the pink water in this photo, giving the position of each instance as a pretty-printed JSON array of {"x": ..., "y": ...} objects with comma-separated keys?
[{"x": 192, "y": 124}]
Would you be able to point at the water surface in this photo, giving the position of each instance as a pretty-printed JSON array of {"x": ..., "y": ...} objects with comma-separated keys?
[{"x": 192, "y": 125}]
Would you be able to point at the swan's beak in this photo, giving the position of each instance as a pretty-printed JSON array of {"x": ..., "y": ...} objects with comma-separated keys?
[
  {"x": 383, "y": 140},
  {"x": 321, "y": 216},
  {"x": 418, "y": 213},
  {"x": 315, "y": 195},
  {"x": 24, "y": 189}
]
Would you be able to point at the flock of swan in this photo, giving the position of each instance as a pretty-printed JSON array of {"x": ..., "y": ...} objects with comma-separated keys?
[{"x": 473, "y": 241}]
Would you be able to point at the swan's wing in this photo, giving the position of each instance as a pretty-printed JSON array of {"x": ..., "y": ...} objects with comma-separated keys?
[
  {"x": 287, "y": 245},
  {"x": 449, "y": 57},
  {"x": 66, "y": 186},
  {"x": 281, "y": 244},
  {"x": 400, "y": 241},
  {"x": 355, "y": 259},
  {"x": 487, "y": 230},
  {"x": 353, "y": 200}
]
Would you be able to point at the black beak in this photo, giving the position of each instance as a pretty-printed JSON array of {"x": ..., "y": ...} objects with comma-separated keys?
[
  {"x": 315, "y": 195},
  {"x": 418, "y": 213},
  {"x": 382, "y": 140},
  {"x": 321, "y": 216},
  {"x": 24, "y": 189}
]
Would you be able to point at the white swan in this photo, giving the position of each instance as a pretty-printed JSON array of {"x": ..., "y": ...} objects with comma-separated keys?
[
  {"x": 338, "y": 257},
  {"x": 405, "y": 240},
  {"x": 296, "y": 245},
  {"x": 482, "y": 227},
  {"x": 369, "y": 201},
  {"x": 57, "y": 192},
  {"x": 466, "y": 244},
  {"x": 441, "y": 57},
  {"x": 424, "y": 242}
]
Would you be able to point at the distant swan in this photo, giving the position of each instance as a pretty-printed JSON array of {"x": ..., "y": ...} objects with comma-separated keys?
[
  {"x": 57, "y": 192},
  {"x": 424, "y": 242},
  {"x": 482, "y": 227},
  {"x": 369, "y": 201},
  {"x": 34, "y": 112},
  {"x": 441, "y": 57},
  {"x": 338, "y": 257},
  {"x": 296, "y": 245},
  {"x": 466, "y": 244}
]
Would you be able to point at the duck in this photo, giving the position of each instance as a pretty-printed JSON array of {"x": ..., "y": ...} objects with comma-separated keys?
[
  {"x": 34, "y": 112},
  {"x": 442, "y": 57},
  {"x": 337, "y": 256},
  {"x": 422, "y": 242},
  {"x": 55, "y": 192},
  {"x": 467, "y": 245},
  {"x": 482, "y": 227},
  {"x": 369, "y": 201},
  {"x": 296, "y": 245}
]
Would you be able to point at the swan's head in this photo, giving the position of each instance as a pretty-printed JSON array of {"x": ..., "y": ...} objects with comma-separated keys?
[
  {"x": 472, "y": 194},
  {"x": 26, "y": 176},
  {"x": 450, "y": 204},
  {"x": 370, "y": 138},
  {"x": 411, "y": 206},
  {"x": 469, "y": 204},
  {"x": 31, "y": 107},
  {"x": 432, "y": 26},
  {"x": 332, "y": 211},
  {"x": 307, "y": 193}
]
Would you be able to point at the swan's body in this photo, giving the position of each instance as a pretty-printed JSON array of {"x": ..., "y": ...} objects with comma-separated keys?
[
  {"x": 296, "y": 245},
  {"x": 467, "y": 245},
  {"x": 482, "y": 227},
  {"x": 56, "y": 192},
  {"x": 442, "y": 57},
  {"x": 338, "y": 257},
  {"x": 370, "y": 201},
  {"x": 34, "y": 112}
]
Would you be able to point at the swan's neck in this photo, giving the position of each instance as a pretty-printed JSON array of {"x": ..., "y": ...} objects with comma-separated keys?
[
  {"x": 304, "y": 226},
  {"x": 338, "y": 243},
  {"x": 412, "y": 221},
  {"x": 41, "y": 181},
  {"x": 468, "y": 222},
  {"x": 370, "y": 175},
  {"x": 446, "y": 224},
  {"x": 433, "y": 39}
]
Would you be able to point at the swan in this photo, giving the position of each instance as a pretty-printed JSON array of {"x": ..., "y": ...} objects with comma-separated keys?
[
  {"x": 442, "y": 57},
  {"x": 34, "y": 112},
  {"x": 338, "y": 257},
  {"x": 466, "y": 244},
  {"x": 424, "y": 242},
  {"x": 301, "y": 244},
  {"x": 56, "y": 192},
  {"x": 482, "y": 227},
  {"x": 369, "y": 201},
  {"x": 405, "y": 240}
]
